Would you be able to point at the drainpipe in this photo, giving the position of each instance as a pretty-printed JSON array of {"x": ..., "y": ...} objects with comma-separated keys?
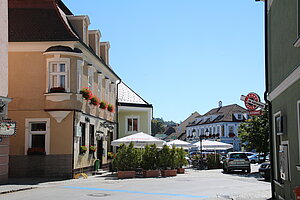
[
  {"x": 117, "y": 110},
  {"x": 269, "y": 105},
  {"x": 74, "y": 114}
]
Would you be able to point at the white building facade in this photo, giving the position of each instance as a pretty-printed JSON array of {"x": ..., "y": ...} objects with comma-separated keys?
[{"x": 220, "y": 124}]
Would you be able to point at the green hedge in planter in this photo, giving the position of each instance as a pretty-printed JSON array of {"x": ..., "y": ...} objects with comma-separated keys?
[
  {"x": 167, "y": 158},
  {"x": 213, "y": 161},
  {"x": 150, "y": 157},
  {"x": 127, "y": 158},
  {"x": 181, "y": 161}
]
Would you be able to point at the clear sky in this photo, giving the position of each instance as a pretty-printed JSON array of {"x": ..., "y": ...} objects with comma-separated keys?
[{"x": 182, "y": 56}]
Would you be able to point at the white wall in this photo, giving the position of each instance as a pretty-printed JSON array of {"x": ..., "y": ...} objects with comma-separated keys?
[{"x": 3, "y": 48}]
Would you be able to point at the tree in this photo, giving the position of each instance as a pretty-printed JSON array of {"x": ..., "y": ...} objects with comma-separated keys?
[
  {"x": 157, "y": 126},
  {"x": 254, "y": 133}
]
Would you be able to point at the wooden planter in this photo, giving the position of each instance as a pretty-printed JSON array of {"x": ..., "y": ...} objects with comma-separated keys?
[
  {"x": 126, "y": 174},
  {"x": 151, "y": 173},
  {"x": 180, "y": 171},
  {"x": 169, "y": 172}
]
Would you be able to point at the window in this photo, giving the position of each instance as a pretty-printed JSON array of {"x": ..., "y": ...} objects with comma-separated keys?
[
  {"x": 58, "y": 75},
  {"x": 79, "y": 74},
  {"x": 239, "y": 116},
  {"x": 107, "y": 89},
  {"x": 90, "y": 79},
  {"x": 218, "y": 129},
  {"x": 132, "y": 124},
  {"x": 92, "y": 135},
  {"x": 230, "y": 128},
  {"x": 82, "y": 138},
  {"x": 37, "y": 134},
  {"x": 214, "y": 130},
  {"x": 99, "y": 86}
]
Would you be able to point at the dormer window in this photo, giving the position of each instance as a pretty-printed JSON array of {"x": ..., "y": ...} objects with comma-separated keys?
[{"x": 240, "y": 116}]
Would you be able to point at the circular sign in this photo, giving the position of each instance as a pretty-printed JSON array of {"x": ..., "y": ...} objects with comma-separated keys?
[{"x": 251, "y": 97}]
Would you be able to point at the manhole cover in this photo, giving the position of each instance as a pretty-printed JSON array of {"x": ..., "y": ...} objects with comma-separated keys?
[{"x": 99, "y": 195}]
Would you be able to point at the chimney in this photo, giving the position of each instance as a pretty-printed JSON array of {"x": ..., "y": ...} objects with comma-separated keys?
[
  {"x": 220, "y": 104},
  {"x": 104, "y": 52}
]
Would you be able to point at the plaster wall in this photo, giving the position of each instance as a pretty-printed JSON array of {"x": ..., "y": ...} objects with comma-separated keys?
[{"x": 3, "y": 48}]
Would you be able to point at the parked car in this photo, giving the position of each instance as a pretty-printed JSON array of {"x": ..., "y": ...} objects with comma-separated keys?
[
  {"x": 250, "y": 154},
  {"x": 236, "y": 161},
  {"x": 255, "y": 158},
  {"x": 264, "y": 170}
]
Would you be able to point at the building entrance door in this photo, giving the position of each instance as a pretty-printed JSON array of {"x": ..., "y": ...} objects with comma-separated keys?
[{"x": 100, "y": 151}]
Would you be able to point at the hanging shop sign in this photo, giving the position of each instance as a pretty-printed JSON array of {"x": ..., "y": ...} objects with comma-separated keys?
[
  {"x": 7, "y": 128},
  {"x": 252, "y": 102}
]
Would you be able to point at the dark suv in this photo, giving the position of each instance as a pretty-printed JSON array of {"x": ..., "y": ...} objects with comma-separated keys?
[{"x": 236, "y": 161}]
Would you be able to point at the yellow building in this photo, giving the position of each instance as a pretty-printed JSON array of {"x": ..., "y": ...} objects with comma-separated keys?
[
  {"x": 134, "y": 113},
  {"x": 52, "y": 56}
]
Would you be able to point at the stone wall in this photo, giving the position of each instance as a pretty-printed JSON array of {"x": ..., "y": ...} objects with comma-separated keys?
[{"x": 39, "y": 166}]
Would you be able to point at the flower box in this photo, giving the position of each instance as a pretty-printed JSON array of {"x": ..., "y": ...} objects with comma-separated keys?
[
  {"x": 92, "y": 149},
  {"x": 110, "y": 108},
  {"x": 57, "y": 90},
  {"x": 126, "y": 174},
  {"x": 86, "y": 93},
  {"x": 169, "y": 172},
  {"x": 151, "y": 173},
  {"x": 103, "y": 105},
  {"x": 94, "y": 101},
  {"x": 36, "y": 151},
  {"x": 83, "y": 149}
]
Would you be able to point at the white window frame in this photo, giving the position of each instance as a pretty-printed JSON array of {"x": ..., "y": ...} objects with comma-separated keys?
[
  {"x": 58, "y": 60},
  {"x": 90, "y": 78},
  {"x": 100, "y": 79},
  {"x": 126, "y": 124},
  {"x": 28, "y": 122},
  {"x": 107, "y": 83},
  {"x": 80, "y": 64}
]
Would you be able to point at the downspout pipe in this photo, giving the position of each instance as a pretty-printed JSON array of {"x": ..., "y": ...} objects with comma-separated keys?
[
  {"x": 117, "y": 109},
  {"x": 269, "y": 105}
]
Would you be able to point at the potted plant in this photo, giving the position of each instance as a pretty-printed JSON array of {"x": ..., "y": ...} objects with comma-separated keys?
[
  {"x": 36, "y": 151},
  {"x": 167, "y": 162},
  {"x": 110, "y": 108},
  {"x": 103, "y": 104},
  {"x": 86, "y": 93},
  {"x": 149, "y": 161},
  {"x": 94, "y": 100},
  {"x": 181, "y": 161},
  {"x": 92, "y": 149},
  {"x": 83, "y": 149},
  {"x": 57, "y": 90},
  {"x": 126, "y": 161}
]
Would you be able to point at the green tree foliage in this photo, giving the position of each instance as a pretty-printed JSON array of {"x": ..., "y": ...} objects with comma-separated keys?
[
  {"x": 181, "y": 160},
  {"x": 157, "y": 126},
  {"x": 254, "y": 133}
]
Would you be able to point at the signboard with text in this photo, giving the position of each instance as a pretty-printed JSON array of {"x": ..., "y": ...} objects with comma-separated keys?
[
  {"x": 7, "y": 128},
  {"x": 252, "y": 102}
]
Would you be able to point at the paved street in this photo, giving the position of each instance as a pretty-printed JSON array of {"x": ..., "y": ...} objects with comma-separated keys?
[{"x": 211, "y": 184}]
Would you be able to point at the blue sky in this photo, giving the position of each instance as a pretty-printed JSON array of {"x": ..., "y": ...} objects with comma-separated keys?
[{"x": 182, "y": 56}]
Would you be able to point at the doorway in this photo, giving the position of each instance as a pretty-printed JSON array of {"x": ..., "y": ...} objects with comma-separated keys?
[{"x": 100, "y": 151}]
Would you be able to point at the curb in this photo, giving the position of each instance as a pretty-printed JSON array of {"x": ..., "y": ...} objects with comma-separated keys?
[{"x": 17, "y": 190}]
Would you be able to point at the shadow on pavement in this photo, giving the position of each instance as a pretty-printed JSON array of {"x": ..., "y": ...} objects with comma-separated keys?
[
  {"x": 31, "y": 181},
  {"x": 247, "y": 175}
]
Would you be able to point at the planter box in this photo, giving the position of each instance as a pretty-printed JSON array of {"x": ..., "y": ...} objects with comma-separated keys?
[
  {"x": 126, "y": 174},
  {"x": 180, "y": 171},
  {"x": 151, "y": 173},
  {"x": 169, "y": 172}
]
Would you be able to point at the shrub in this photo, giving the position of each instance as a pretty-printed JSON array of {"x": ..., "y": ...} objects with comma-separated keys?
[
  {"x": 213, "y": 161},
  {"x": 150, "y": 157},
  {"x": 127, "y": 158},
  {"x": 164, "y": 158},
  {"x": 181, "y": 161}
]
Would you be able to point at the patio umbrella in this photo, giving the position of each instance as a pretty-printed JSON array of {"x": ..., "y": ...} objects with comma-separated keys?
[
  {"x": 213, "y": 145},
  {"x": 139, "y": 140},
  {"x": 180, "y": 143}
]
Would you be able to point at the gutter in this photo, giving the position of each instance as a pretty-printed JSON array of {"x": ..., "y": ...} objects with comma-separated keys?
[{"x": 269, "y": 104}]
